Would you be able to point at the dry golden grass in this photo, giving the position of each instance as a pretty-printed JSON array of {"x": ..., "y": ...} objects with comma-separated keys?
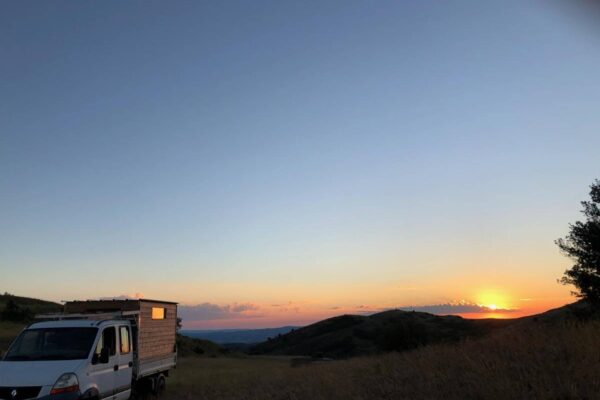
[{"x": 522, "y": 362}]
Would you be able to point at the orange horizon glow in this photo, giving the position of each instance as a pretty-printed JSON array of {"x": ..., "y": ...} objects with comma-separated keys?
[
  {"x": 481, "y": 302},
  {"x": 213, "y": 304},
  {"x": 265, "y": 316}
]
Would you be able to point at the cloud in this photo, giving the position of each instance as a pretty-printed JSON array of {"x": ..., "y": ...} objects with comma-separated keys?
[
  {"x": 209, "y": 311},
  {"x": 461, "y": 307},
  {"x": 290, "y": 306},
  {"x": 133, "y": 296},
  {"x": 238, "y": 308}
]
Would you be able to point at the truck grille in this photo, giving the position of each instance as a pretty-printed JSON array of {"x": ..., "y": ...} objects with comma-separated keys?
[{"x": 22, "y": 393}]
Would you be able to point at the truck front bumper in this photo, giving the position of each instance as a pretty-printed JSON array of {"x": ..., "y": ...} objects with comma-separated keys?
[{"x": 62, "y": 396}]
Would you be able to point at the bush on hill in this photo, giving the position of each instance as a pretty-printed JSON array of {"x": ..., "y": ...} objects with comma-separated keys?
[{"x": 14, "y": 313}]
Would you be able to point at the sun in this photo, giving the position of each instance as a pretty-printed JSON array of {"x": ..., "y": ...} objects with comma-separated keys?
[{"x": 493, "y": 300}]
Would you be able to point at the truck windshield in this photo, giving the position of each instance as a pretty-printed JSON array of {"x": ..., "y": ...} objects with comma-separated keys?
[{"x": 52, "y": 344}]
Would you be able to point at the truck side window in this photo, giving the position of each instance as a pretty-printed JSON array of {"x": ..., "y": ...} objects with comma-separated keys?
[
  {"x": 124, "y": 335},
  {"x": 108, "y": 339}
]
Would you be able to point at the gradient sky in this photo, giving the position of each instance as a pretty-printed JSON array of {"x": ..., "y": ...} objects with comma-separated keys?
[{"x": 272, "y": 163}]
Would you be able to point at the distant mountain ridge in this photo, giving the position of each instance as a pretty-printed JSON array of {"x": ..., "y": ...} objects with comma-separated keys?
[{"x": 238, "y": 336}]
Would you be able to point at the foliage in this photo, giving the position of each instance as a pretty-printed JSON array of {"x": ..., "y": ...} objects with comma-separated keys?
[
  {"x": 582, "y": 244},
  {"x": 13, "y": 312},
  {"x": 23, "y": 309},
  {"x": 35, "y": 306}
]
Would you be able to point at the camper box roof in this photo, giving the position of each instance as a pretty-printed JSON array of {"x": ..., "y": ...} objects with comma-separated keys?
[{"x": 109, "y": 305}]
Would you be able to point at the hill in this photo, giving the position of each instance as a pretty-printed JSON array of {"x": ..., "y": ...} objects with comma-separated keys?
[
  {"x": 395, "y": 330},
  {"x": 22, "y": 309},
  {"x": 187, "y": 347},
  {"x": 238, "y": 336},
  {"x": 574, "y": 312}
]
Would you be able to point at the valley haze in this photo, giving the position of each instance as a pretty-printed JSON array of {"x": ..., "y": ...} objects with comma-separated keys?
[{"x": 244, "y": 336}]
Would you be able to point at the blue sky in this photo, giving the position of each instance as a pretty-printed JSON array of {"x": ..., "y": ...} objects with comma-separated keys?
[{"x": 261, "y": 152}]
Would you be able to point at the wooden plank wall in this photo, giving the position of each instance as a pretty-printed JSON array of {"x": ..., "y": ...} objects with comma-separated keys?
[{"x": 156, "y": 336}]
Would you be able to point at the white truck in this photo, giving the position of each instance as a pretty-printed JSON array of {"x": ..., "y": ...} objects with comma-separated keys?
[{"x": 95, "y": 350}]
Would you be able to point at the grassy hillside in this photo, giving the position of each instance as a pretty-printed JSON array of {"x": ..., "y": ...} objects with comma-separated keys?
[
  {"x": 8, "y": 331},
  {"x": 188, "y": 347},
  {"x": 351, "y": 335},
  {"x": 35, "y": 306},
  {"x": 533, "y": 360}
]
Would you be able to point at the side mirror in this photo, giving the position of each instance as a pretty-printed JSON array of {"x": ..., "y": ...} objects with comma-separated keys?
[
  {"x": 104, "y": 355},
  {"x": 101, "y": 358}
]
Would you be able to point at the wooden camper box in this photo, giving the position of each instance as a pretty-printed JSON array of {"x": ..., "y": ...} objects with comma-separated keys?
[{"x": 155, "y": 323}]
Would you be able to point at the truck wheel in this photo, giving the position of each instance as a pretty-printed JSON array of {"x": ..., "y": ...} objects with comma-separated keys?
[
  {"x": 160, "y": 385},
  {"x": 142, "y": 389},
  {"x": 90, "y": 394}
]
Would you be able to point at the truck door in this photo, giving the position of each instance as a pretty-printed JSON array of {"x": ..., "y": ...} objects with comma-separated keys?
[
  {"x": 124, "y": 374},
  {"x": 103, "y": 374}
]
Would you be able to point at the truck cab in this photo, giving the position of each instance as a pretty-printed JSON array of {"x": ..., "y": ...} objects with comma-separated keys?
[
  {"x": 72, "y": 359},
  {"x": 92, "y": 356}
]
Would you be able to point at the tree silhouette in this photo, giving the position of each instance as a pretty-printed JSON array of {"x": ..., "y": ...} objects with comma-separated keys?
[{"x": 582, "y": 244}]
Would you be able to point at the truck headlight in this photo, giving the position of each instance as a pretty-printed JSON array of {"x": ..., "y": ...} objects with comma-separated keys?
[{"x": 67, "y": 383}]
